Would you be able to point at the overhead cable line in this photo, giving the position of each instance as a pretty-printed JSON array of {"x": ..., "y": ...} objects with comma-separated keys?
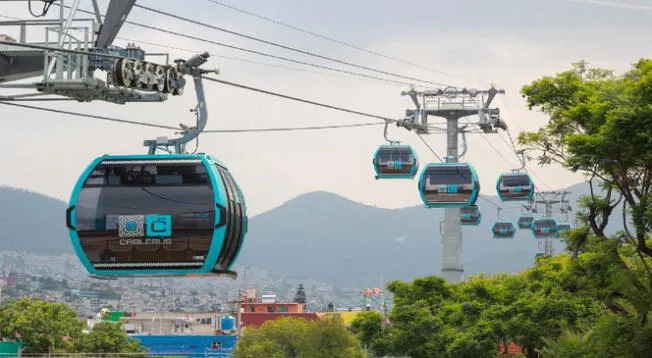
[
  {"x": 11, "y": 17},
  {"x": 494, "y": 148},
  {"x": 239, "y": 59},
  {"x": 104, "y": 118},
  {"x": 349, "y": 73},
  {"x": 59, "y": 49},
  {"x": 388, "y": 119},
  {"x": 256, "y": 52},
  {"x": 345, "y": 110},
  {"x": 429, "y": 147},
  {"x": 277, "y": 22},
  {"x": 482, "y": 135},
  {"x": 285, "y": 47},
  {"x": 149, "y": 124},
  {"x": 509, "y": 134},
  {"x": 516, "y": 152},
  {"x": 290, "y": 129},
  {"x": 35, "y": 99},
  {"x": 490, "y": 202}
]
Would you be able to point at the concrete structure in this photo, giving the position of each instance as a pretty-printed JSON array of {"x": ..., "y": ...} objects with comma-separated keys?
[
  {"x": 171, "y": 323},
  {"x": 288, "y": 307},
  {"x": 189, "y": 345}
]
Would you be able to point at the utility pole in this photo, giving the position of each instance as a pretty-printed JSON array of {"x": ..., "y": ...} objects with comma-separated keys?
[
  {"x": 452, "y": 104},
  {"x": 238, "y": 311}
]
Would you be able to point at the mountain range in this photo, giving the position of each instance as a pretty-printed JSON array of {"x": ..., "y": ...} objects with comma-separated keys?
[{"x": 318, "y": 235}]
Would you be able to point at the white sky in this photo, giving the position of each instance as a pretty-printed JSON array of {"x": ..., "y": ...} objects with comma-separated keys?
[{"x": 507, "y": 42}]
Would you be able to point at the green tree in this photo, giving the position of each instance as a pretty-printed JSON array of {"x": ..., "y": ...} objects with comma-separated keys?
[
  {"x": 300, "y": 296},
  {"x": 368, "y": 325},
  {"x": 108, "y": 337},
  {"x": 612, "y": 336},
  {"x": 600, "y": 124},
  {"x": 299, "y": 338},
  {"x": 329, "y": 338},
  {"x": 435, "y": 319},
  {"x": 45, "y": 327}
]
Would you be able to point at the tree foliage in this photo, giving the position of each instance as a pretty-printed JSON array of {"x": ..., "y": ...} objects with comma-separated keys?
[
  {"x": 300, "y": 296},
  {"x": 555, "y": 307},
  {"x": 433, "y": 318},
  {"x": 48, "y": 327},
  {"x": 44, "y": 326},
  {"x": 600, "y": 124},
  {"x": 299, "y": 338},
  {"x": 368, "y": 325},
  {"x": 108, "y": 337}
]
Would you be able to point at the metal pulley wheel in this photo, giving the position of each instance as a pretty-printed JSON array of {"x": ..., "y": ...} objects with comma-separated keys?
[
  {"x": 174, "y": 82},
  {"x": 124, "y": 72},
  {"x": 158, "y": 78},
  {"x": 140, "y": 78}
]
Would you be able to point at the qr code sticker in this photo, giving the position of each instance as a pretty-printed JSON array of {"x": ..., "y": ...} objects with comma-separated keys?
[{"x": 131, "y": 226}]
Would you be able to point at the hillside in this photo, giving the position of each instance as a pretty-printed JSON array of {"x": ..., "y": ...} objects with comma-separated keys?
[
  {"x": 330, "y": 238},
  {"x": 318, "y": 235},
  {"x": 32, "y": 222}
]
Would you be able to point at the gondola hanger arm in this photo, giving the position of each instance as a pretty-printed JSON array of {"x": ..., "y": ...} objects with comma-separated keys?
[
  {"x": 391, "y": 142},
  {"x": 521, "y": 158},
  {"x": 189, "y": 67}
]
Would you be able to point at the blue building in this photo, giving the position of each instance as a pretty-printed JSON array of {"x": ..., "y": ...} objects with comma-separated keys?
[{"x": 189, "y": 346}]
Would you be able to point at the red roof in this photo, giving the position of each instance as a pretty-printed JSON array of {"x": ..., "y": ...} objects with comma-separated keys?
[
  {"x": 256, "y": 319},
  {"x": 512, "y": 348}
]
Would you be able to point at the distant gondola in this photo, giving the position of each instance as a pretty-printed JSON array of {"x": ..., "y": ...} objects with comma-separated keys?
[
  {"x": 470, "y": 215},
  {"x": 563, "y": 230},
  {"x": 515, "y": 186},
  {"x": 544, "y": 228},
  {"x": 157, "y": 215},
  {"x": 395, "y": 161},
  {"x": 503, "y": 230},
  {"x": 448, "y": 185},
  {"x": 525, "y": 222}
]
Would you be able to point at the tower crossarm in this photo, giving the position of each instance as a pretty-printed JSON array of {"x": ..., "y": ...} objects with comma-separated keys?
[{"x": 453, "y": 102}]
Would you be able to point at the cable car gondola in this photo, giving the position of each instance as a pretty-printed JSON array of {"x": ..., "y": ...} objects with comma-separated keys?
[
  {"x": 448, "y": 185},
  {"x": 503, "y": 230},
  {"x": 395, "y": 161},
  {"x": 157, "y": 215},
  {"x": 563, "y": 230},
  {"x": 525, "y": 222},
  {"x": 470, "y": 215},
  {"x": 544, "y": 228},
  {"x": 515, "y": 186}
]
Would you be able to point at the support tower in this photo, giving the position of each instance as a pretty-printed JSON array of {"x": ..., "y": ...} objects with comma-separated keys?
[
  {"x": 452, "y": 104},
  {"x": 549, "y": 199}
]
